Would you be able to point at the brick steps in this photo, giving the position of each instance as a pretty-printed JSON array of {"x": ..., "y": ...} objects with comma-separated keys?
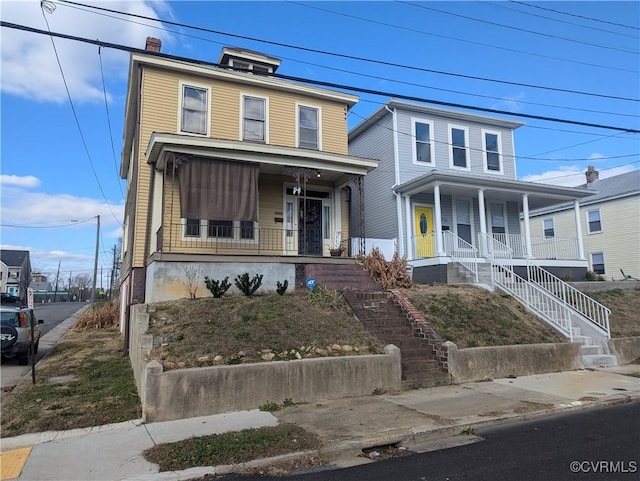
[
  {"x": 384, "y": 318},
  {"x": 342, "y": 276}
]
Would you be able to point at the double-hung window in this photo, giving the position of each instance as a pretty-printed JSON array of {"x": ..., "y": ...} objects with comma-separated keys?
[
  {"x": 597, "y": 262},
  {"x": 423, "y": 146},
  {"x": 491, "y": 142},
  {"x": 308, "y": 133},
  {"x": 194, "y": 114},
  {"x": 593, "y": 220},
  {"x": 192, "y": 228},
  {"x": 547, "y": 225},
  {"x": 458, "y": 141},
  {"x": 254, "y": 119}
]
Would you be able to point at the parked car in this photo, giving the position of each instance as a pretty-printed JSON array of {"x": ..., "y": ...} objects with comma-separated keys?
[{"x": 16, "y": 324}]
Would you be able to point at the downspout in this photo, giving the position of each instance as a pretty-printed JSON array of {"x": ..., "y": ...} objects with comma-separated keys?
[{"x": 396, "y": 167}]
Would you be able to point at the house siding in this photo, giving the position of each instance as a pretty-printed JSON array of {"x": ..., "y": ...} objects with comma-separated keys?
[
  {"x": 378, "y": 195},
  {"x": 619, "y": 239}
]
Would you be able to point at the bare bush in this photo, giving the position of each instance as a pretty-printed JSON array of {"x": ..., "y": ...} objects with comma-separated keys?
[
  {"x": 388, "y": 275},
  {"x": 102, "y": 317}
]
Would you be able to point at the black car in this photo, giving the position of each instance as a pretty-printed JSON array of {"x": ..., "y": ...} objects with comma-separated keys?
[{"x": 16, "y": 325}]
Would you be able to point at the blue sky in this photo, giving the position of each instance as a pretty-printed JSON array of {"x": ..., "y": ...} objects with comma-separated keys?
[{"x": 60, "y": 157}]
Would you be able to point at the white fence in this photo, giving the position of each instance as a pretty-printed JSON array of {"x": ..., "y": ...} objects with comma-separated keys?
[{"x": 387, "y": 247}]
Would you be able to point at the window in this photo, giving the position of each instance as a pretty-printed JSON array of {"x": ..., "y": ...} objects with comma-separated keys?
[
  {"x": 463, "y": 220},
  {"x": 597, "y": 262},
  {"x": 547, "y": 225},
  {"x": 195, "y": 110},
  {"x": 492, "y": 152},
  {"x": 220, "y": 228},
  {"x": 458, "y": 143},
  {"x": 326, "y": 224},
  {"x": 307, "y": 127},
  {"x": 246, "y": 229},
  {"x": 498, "y": 225},
  {"x": 423, "y": 144},
  {"x": 254, "y": 119},
  {"x": 593, "y": 221},
  {"x": 192, "y": 228}
]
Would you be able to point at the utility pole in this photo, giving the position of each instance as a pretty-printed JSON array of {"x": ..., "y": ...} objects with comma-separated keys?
[
  {"x": 95, "y": 264},
  {"x": 69, "y": 288},
  {"x": 55, "y": 292}
]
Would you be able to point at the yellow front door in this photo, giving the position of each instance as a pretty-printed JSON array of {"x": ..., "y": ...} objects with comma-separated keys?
[{"x": 425, "y": 242}]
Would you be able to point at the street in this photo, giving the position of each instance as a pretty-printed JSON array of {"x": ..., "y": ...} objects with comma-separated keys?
[
  {"x": 52, "y": 314},
  {"x": 599, "y": 443}
]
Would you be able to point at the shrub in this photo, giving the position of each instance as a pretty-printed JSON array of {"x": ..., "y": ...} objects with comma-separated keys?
[
  {"x": 246, "y": 286},
  {"x": 593, "y": 276},
  {"x": 217, "y": 288},
  {"x": 388, "y": 275},
  {"x": 282, "y": 287}
]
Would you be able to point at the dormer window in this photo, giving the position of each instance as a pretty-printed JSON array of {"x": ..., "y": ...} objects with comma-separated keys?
[{"x": 248, "y": 61}]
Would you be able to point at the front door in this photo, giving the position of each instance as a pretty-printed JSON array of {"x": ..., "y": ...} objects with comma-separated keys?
[
  {"x": 310, "y": 227},
  {"x": 425, "y": 241}
]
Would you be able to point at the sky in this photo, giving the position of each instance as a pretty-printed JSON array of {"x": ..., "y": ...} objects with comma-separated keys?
[{"x": 62, "y": 101}]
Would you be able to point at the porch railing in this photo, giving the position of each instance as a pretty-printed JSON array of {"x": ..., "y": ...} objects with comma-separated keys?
[
  {"x": 462, "y": 252},
  {"x": 217, "y": 239},
  {"x": 497, "y": 252},
  {"x": 572, "y": 297},
  {"x": 561, "y": 248}
]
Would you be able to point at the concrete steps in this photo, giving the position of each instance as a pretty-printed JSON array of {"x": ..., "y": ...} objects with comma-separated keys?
[
  {"x": 386, "y": 320},
  {"x": 592, "y": 354}
]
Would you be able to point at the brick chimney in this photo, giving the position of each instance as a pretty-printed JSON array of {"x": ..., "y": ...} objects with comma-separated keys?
[
  {"x": 153, "y": 44},
  {"x": 591, "y": 174}
]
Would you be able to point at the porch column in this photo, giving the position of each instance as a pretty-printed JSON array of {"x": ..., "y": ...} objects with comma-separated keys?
[
  {"x": 403, "y": 251},
  {"x": 410, "y": 244},
  {"x": 483, "y": 223},
  {"x": 576, "y": 210},
  {"x": 438, "y": 220},
  {"x": 527, "y": 227},
  {"x": 337, "y": 218}
]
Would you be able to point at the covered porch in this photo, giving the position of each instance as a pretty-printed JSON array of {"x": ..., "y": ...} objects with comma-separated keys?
[{"x": 452, "y": 217}]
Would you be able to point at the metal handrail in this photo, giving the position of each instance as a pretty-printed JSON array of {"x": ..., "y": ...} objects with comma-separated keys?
[
  {"x": 496, "y": 251},
  {"x": 586, "y": 306},
  {"x": 462, "y": 252}
]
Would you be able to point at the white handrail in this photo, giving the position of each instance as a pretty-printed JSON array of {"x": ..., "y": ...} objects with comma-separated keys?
[
  {"x": 496, "y": 251},
  {"x": 586, "y": 306},
  {"x": 462, "y": 252}
]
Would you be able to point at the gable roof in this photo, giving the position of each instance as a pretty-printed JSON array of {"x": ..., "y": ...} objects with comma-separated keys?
[
  {"x": 13, "y": 258},
  {"x": 621, "y": 185}
]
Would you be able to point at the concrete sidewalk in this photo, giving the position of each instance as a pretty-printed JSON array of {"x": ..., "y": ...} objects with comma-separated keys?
[{"x": 418, "y": 419}]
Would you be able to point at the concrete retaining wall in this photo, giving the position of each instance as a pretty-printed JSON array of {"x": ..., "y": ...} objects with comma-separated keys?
[
  {"x": 590, "y": 286},
  {"x": 626, "y": 349},
  {"x": 480, "y": 363},
  {"x": 183, "y": 393}
]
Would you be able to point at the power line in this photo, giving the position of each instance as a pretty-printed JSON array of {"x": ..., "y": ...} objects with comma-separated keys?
[
  {"x": 472, "y": 42},
  {"x": 360, "y": 74},
  {"x": 353, "y": 57},
  {"x": 319, "y": 82},
  {"x": 575, "y": 15},
  {"x": 518, "y": 28}
]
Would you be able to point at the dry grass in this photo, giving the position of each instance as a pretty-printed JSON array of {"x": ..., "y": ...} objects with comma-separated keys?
[
  {"x": 625, "y": 310},
  {"x": 472, "y": 317}
]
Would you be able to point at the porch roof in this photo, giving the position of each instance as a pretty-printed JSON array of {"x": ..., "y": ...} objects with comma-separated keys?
[
  {"x": 273, "y": 159},
  {"x": 465, "y": 184}
]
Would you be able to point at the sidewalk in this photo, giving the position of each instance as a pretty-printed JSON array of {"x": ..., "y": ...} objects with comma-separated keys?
[{"x": 420, "y": 420}]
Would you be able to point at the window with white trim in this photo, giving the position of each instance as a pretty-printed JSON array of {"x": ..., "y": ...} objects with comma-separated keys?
[
  {"x": 463, "y": 220},
  {"x": 308, "y": 122},
  {"x": 548, "y": 228},
  {"x": 594, "y": 224},
  {"x": 192, "y": 228},
  {"x": 194, "y": 106},
  {"x": 491, "y": 147},
  {"x": 423, "y": 141},
  {"x": 597, "y": 262},
  {"x": 238, "y": 230},
  {"x": 498, "y": 222},
  {"x": 458, "y": 141},
  {"x": 254, "y": 119}
]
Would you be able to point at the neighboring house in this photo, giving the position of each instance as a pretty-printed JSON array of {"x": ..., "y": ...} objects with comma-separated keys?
[
  {"x": 610, "y": 223},
  {"x": 15, "y": 279},
  {"x": 229, "y": 171},
  {"x": 4, "y": 274},
  {"x": 448, "y": 177}
]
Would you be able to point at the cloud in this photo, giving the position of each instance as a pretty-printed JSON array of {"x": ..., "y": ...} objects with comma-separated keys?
[
  {"x": 29, "y": 65},
  {"x": 511, "y": 104},
  {"x": 572, "y": 176},
  {"x": 22, "y": 207},
  {"x": 19, "y": 181}
]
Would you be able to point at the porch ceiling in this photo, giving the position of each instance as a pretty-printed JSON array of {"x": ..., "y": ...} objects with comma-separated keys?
[
  {"x": 468, "y": 185},
  {"x": 273, "y": 159}
]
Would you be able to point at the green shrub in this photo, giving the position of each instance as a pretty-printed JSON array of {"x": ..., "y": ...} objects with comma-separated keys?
[
  {"x": 282, "y": 287},
  {"x": 217, "y": 288},
  {"x": 246, "y": 286}
]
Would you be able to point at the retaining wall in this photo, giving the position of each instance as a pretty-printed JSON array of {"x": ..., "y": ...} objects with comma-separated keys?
[
  {"x": 184, "y": 393},
  {"x": 626, "y": 349},
  {"x": 481, "y": 363}
]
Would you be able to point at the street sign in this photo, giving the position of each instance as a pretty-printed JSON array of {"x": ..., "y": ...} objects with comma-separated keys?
[{"x": 30, "y": 298}]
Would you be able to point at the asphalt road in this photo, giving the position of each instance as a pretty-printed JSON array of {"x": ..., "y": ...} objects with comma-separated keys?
[
  {"x": 594, "y": 444},
  {"x": 52, "y": 314}
]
